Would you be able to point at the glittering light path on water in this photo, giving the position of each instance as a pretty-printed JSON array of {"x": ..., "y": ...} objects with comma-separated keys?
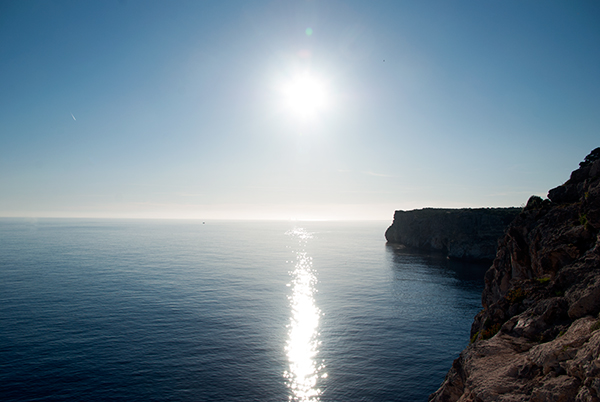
[{"x": 302, "y": 345}]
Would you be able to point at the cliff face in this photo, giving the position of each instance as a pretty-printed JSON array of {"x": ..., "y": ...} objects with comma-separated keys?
[
  {"x": 537, "y": 337},
  {"x": 470, "y": 234}
]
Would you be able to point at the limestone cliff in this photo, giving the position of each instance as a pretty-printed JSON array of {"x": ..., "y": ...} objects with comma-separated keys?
[
  {"x": 469, "y": 234},
  {"x": 537, "y": 337}
]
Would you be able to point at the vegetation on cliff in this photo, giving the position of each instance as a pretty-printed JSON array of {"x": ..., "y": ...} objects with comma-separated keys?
[{"x": 537, "y": 337}]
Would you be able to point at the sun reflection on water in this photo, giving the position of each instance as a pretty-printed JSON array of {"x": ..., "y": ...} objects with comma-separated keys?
[{"x": 302, "y": 345}]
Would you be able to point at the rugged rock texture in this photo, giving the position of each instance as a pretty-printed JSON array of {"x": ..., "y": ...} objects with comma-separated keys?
[
  {"x": 467, "y": 234},
  {"x": 537, "y": 337}
]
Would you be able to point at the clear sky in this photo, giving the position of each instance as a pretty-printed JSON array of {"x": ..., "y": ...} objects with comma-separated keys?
[{"x": 291, "y": 109}]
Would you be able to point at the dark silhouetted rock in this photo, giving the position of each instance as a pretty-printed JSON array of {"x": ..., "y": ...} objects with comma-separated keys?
[{"x": 466, "y": 234}]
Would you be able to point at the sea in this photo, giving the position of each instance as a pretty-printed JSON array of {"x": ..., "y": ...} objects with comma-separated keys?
[{"x": 159, "y": 310}]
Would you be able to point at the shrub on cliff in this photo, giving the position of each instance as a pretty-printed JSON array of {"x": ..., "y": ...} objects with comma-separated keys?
[{"x": 591, "y": 158}]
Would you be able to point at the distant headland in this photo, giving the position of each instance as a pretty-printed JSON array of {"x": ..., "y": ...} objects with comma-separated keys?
[{"x": 463, "y": 234}]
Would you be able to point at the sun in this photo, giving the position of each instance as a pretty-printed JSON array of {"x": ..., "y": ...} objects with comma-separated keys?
[{"x": 305, "y": 95}]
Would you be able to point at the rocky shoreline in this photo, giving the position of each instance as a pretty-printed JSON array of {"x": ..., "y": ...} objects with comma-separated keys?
[
  {"x": 537, "y": 337},
  {"x": 462, "y": 234}
]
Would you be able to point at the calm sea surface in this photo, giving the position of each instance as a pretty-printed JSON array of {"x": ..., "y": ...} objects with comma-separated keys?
[{"x": 132, "y": 310}]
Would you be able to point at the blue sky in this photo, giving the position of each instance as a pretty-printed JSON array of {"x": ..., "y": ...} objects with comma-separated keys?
[{"x": 145, "y": 109}]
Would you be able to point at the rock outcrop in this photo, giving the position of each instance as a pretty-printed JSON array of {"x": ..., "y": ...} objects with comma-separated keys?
[
  {"x": 466, "y": 234},
  {"x": 537, "y": 337}
]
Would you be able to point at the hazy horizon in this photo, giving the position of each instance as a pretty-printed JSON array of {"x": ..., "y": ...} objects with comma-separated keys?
[{"x": 270, "y": 110}]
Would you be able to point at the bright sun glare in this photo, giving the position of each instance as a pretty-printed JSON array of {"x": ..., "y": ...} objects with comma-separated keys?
[{"x": 305, "y": 95}]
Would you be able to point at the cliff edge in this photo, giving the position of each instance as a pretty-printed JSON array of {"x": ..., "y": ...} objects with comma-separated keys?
[
  {"x": 466, "y": 234},
  {"x": 537, "y": 337}
]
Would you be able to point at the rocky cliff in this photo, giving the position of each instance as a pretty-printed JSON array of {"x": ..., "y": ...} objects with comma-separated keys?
[
  {"x": 469, "y": 234},
  {"x": 537, "y": 337}
]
